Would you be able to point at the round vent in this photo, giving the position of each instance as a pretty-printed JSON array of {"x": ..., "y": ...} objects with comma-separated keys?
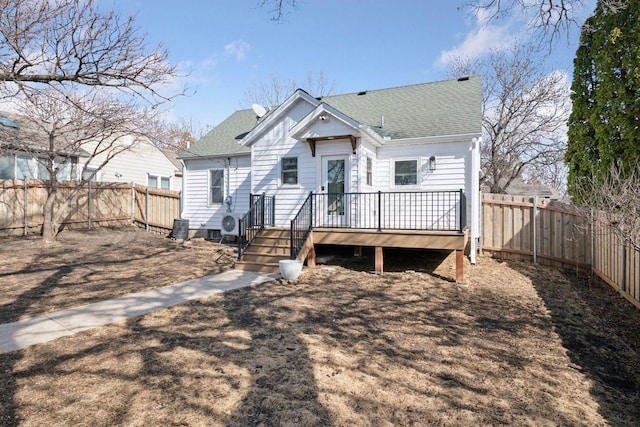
[{"x": 228, "y": 223}]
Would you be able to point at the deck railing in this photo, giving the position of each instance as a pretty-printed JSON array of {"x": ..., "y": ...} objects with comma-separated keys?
[
  {"x": 261, "y": 213},
  {"x": 424, "y": 210},
  {"x": 301, "y": 225}
]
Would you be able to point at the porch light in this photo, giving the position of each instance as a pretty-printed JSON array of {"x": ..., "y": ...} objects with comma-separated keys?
[{"x": 432, "y": 163}]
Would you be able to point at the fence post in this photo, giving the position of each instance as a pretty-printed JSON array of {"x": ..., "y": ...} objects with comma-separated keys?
[
  {"x": 480, "y": 223},
  {"x": 593, "y": 243},
  {"x": 89, "y": 205},
  {"x": 133, "y": 203},
  {"x": 310, "y": 209},
  {"x": 379, "y": 210},
  {"x": 623, "y": 276},
  {"x": 535, "y": 229},
  {"x": 262, "y": 213},
  {"x": 146, "y": 210},
  {"x": 26, "y": 208}
]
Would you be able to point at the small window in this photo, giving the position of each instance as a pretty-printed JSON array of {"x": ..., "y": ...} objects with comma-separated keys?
[
  {"x": 7, "y": 167},
  {"x": 406, "y": 172},
  {"x": 152, "y": 181},
  {"x": 290, "y": 170},
  {"x": 43, "y": 173},
  {"x": 216, "y": 186},
  {"x": 24, "y": 167},
  {"x": 369, "y": 171},
  {"x": 165, "y": 183},
  {"x": 86, "y": 174}
]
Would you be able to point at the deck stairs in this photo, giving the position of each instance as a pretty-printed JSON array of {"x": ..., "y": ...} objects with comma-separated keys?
[{"x": 270, "y": 246}]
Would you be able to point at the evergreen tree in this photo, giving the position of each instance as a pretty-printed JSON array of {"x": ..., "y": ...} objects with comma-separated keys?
[{"x": 604, "y": 126}]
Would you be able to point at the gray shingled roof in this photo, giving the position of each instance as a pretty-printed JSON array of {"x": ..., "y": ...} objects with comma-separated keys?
[
  {"x": 449, "y": 107},
  {"x": 224, "y": 138}
]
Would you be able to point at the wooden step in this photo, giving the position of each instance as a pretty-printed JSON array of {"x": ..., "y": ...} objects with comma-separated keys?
[
  {"x": 275, "y": 232},
  {"x": 264, "y": 248},
  {"x": 260, "y": 267},
  {"x": 262, "y": 257},
  {"x": 272, "y": 240},
  {"x": 269, "y": 246}
]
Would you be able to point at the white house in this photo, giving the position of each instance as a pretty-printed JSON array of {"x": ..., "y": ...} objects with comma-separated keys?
[
  {"x": 376, "y": 161},
  {"x": 142, "y": 163},
  {"x": 23, "y": 152}
]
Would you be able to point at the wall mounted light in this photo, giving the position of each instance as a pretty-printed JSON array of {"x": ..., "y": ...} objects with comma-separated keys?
[{"x": 432, "y": 163}]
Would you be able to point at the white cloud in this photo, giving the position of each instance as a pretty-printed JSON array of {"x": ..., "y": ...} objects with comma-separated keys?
[
  {"x": 238, "y": 49},
  {"x": 486, "y": 36},
  {"x": 480, "y": 40}
]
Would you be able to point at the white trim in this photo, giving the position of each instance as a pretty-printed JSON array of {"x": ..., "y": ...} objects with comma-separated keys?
[
  {"x": 467, "y": 137},
  {"x": 224, "y": 178},
  {"x": 281, "y": 183},
  {"x": 214, "y": 156},
  {"x": 159, "y": 178},
  {"x": 300, "y": 130},
  {"x": 275, "y": 116}
]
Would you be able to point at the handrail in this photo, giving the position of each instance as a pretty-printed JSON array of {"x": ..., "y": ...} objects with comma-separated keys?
[
  {"x": 400, "y": 210},
  {"x": 260, "y": 214},
  {"x": 301, "y": 226}
]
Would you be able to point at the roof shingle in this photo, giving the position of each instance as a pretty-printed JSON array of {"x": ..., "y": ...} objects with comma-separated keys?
[{"x": 448, "y": 107}]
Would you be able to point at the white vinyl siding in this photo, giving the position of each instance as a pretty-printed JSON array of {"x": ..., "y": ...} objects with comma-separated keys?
[
  {"x": 196, "y": 206},
  {"x": 135, "y": 164}
]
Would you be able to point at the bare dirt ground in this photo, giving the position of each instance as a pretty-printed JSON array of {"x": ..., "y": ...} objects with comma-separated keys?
[{"x": 516, "y": 344}]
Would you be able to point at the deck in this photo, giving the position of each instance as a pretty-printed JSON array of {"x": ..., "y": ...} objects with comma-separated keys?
[{"x": 426, "y": 220}]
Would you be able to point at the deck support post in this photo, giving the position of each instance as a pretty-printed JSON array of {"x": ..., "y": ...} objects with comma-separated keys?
[
  {"x": 311, "y": 256},
  {"x": 459, "y": 266},
  {"x": 357, "y": 251},
  {"x": 379, "y": 260}
]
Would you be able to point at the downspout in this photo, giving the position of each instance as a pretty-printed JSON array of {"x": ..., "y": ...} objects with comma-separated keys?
[
  {"x": 183, "y": 186},
  {"x": 475, "y": 196}
]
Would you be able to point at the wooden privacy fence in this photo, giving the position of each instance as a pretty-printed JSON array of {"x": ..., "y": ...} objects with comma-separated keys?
[
  {"x": 558, "y": 234},
  {"x": 99, "y": 203}
]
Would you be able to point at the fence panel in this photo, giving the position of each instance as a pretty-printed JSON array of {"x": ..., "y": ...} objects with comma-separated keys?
[
  {"x": 102, "y": 202},
  {"x": 565, "y": 236}
]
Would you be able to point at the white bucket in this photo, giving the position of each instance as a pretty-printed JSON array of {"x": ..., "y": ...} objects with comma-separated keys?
[{"x": 290, "y": 269}]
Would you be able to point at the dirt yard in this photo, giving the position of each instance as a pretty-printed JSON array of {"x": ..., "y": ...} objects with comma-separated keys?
[{"x": 515, "y": 345}]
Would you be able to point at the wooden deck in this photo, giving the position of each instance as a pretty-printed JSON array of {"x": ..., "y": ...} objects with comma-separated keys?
[{"x": 410, "y": 239}]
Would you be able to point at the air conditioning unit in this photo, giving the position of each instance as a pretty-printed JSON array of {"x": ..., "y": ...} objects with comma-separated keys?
[{"x": 230, "y": 225}]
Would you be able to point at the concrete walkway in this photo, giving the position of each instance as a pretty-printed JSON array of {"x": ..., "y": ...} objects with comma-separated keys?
[{"x": 18, "y": 335}]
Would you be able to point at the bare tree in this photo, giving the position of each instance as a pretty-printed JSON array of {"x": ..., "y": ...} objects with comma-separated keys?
[
  {"x": 275, "y": 91},
  {"x": 552, "y": 17},
  {"x": 615, "y": 201},
  {"x": 278, "y": 8},
  {"x": 524, "y": 116},
  {"x": 82, "y": 77}
]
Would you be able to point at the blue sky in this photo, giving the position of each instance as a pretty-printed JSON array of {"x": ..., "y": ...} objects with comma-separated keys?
[{"x": 229, "y": 46}]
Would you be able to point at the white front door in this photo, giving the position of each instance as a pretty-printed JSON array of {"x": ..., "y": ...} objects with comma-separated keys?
[{"x": 334, "y": 184}]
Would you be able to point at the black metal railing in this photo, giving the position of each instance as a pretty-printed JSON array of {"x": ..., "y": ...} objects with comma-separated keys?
[
  {"x": 261, "y": 214},
  {"x": 424, "y": 210},
  {"x": 267, "y": 207},
  {"x": 301, "y": 225}
]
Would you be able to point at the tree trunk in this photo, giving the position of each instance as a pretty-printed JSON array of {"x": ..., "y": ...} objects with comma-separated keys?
[{"x": 49, "y": 226}]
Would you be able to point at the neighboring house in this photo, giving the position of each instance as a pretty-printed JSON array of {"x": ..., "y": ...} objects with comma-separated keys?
[
  {"x": 16, "y": 163},
  {"x": 143, "y": 163},
  {"x": 404, "y": 158}
]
